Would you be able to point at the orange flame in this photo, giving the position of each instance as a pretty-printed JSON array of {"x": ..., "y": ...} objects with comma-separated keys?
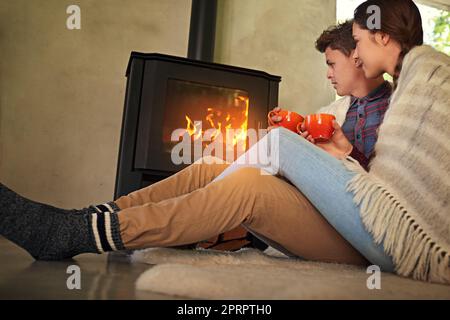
[
  {"x": 192, "y": 129},
  {"x": 240, "y": 135}
]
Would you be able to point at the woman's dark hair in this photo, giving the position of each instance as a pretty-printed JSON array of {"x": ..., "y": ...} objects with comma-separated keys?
[
  {"x": 400, "y": 19},
  {"x": 337, "y": 37}
]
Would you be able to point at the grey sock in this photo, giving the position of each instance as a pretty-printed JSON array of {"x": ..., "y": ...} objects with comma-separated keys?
[{"x": 50, "y": 233}]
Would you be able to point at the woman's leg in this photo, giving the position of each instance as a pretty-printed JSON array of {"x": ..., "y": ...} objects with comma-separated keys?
[
  {"x": 322, "y": 179},
  {"x": 193, "y": 177},
  {"x": 265, "y": 204}
]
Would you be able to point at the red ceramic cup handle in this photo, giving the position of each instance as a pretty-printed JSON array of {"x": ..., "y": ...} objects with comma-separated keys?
[
  {"x": 269, "y": 117},
  {"x": 299, "y": 126}
]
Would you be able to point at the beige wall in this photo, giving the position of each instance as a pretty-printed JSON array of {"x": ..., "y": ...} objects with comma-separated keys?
[
  {"x": 62, "y": 91},
  {"x": 278, "y": 37}
]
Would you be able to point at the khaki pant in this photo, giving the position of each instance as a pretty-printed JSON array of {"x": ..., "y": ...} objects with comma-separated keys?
[{"x": 188, "y": 207}]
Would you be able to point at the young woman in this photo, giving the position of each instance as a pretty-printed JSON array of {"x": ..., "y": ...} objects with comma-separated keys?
[
  {"x": 405, "y": 198},
  {"x": 382, "y": 50}
]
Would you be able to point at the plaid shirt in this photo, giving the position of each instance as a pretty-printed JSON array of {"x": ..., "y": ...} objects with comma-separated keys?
[{"x": 364, "y": 117}]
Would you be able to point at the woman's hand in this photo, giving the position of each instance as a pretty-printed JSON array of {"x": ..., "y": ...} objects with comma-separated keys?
[{"x": 338, "y": 146}]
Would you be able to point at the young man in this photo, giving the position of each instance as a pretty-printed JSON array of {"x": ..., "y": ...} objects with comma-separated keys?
[
  {"x": 189, "y": 206},
  {"x": 361, "y": 110}
]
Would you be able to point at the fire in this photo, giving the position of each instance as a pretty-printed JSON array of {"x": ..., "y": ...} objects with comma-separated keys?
[
  {"x": 242, "y": 135},
  {"x": 192, "y": 128},
  {"x": 218, "y": 121}
]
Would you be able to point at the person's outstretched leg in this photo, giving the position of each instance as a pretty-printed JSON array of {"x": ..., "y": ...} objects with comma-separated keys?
[
  {"x": 265, "y": 204},
  {"x": 193, "y": 177},
  {"x": 47, "y": 232}
]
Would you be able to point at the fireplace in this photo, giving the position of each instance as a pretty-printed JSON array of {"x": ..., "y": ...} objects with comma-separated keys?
[{"x": 197, "y": 100}]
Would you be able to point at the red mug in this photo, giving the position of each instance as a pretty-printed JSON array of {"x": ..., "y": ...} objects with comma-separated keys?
[
  {"x": 289, "y": 119},
  {"x": 320, "y": 126}
]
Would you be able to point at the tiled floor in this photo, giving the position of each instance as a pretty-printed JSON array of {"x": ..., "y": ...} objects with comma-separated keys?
[{"x": 106, "y": 276}]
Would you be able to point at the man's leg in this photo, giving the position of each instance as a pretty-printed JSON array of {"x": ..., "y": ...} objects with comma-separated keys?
[
  {"x": 268, "y": 205},
  {"x": 47, "y": 232},
  {"x": 193, "y": 177}
]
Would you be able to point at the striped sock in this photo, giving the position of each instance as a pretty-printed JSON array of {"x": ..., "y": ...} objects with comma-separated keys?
[
  {"x": 105, "y": 227},
  {"x": 95, "y": 208}
]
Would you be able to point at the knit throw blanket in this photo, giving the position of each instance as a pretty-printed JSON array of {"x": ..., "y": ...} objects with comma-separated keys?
[{"x": 405, "y": 196}]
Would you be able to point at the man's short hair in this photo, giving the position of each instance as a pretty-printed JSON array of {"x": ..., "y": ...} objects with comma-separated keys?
[{"x": 338, "y": 37}]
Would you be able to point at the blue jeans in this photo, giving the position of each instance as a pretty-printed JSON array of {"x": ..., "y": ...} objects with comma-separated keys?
[{"x": 322, "y": 179}]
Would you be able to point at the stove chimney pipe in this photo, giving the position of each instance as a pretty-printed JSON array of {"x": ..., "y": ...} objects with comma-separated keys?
[{"x": 202, "y": 30}]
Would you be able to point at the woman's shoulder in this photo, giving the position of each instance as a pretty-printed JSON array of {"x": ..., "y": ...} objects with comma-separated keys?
[
  {"x": 424, "y": 64},
  {"x": 425, "y": 55}
]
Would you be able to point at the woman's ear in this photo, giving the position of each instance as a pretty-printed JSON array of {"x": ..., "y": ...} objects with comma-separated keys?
[{"x": 382, "y": 38}]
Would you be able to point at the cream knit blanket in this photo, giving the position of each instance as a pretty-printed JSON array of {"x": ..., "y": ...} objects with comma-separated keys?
[{"x": 405, "y": 196}]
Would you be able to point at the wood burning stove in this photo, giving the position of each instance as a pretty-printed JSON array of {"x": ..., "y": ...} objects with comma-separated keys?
[{"x": 165, "y": 93}]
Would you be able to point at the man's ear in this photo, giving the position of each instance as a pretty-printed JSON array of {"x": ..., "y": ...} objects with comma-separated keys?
[
  {"x": 382, "y": 38},
  {"x": 355, "y": 59}
]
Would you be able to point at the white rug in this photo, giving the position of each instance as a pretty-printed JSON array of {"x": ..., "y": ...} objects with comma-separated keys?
[{"x": 252, "y": 274}]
